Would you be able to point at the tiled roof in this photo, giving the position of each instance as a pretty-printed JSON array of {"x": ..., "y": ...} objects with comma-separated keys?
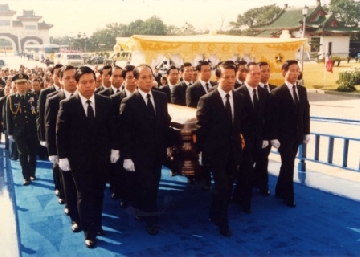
[
  {"x": 287, "y": 18},
  {"x": 291, "y": 18}
]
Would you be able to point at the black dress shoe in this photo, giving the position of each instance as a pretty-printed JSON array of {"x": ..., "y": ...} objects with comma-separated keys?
[
  {"x": 265, "y": 192},
  {"x": 100, "y": 233},
  {"x": 26, "y": 182},
  {"x": 152, "y": 229},
  {"x": 124, "y": 204},
  {"x": 139, "y": 218},
  {"x": 290, "y": 204},
  {"x": 224, "y": 231},
  {"x": 90, "y": 243},
  {"x": 75, "y": 228},
  {"x": 115, "y": 196}
]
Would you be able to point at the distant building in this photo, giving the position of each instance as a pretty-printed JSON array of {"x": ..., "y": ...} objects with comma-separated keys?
[
  {"x": 325, "y": 34},
  {"x": 23, "y": 30}
]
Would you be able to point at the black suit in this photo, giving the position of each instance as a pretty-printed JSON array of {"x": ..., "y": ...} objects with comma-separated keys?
[
  {"x": 107, "y": 92},
  {"x": 166, "y": 89},
  {"x": 288, "y": 123},
  {"x": 194, "y": 92},
  {"x": 64, "y": 180},
  {"x": 144, "y": 141},
  {"x": 101, "y": 88},
  {"x": 40, "y": 123},
  {"x": 119, "y": 179},
  {"x": 253, "y": 132},
  {"x": 158, "y": 77},
  {"x": 88, "y": 154},
  {"x": 220, "y": 143},
  {"x": 261, "y": 166},
  {"x": 178, "y": 94}
]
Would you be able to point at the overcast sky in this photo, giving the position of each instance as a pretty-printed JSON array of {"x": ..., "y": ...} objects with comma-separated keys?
[{"x": 86, "y": 16}]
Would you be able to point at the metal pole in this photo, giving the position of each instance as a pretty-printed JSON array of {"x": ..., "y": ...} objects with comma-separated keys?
[{"x": 302, "y": 47}]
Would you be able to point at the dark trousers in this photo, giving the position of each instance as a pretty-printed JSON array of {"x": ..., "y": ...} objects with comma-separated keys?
[
  {"x": 115, "y": 178},
  {"x": 261, "y": 179},
  {"x": 146, "y": 187},
  {"x": 26, "y": 148},
  {"x": 285, "y": 183},
  {"x": 70, "y": 195},
  {"x": 90, "y": 193},
  {"x": 58, "y": 180},
  {"x": 223, "y": 176},
  {"x": 244, "y": 180}
]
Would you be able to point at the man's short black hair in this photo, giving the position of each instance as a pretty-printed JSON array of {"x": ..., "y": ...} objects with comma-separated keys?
[
  {"x": 286, "y": 65},
  {"x": 171, "y": 68},
  {"x": 57, "y": 66},
  {"x": 83, "y": 70}
]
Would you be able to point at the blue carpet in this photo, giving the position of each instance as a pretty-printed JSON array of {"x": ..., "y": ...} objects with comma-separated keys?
[{"x": 322, "y": 224}]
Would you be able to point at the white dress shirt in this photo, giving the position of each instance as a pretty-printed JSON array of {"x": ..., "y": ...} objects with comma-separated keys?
[
  {"x": 85, "y": 105},
  {"x": 262, "y": 85},
  {"x": 144, "y": 96},
  {"x": 68, "y": 94},
  {"x": 251, "y": 92},
  {"x": 203, "y": 84},
  {"x": 290, "y": 87},
  {"x": 231, "y": 99}
]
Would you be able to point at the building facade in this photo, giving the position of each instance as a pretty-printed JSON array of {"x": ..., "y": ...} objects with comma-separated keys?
[
  {"x": 325, "y": 34},
  {"x": 17, "y": 32}
]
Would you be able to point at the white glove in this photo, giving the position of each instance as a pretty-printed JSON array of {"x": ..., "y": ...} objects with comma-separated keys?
[
  {"x": 64, "y": 164},
  {"x": 307, "y": 138},
  {"x": 129, "y": 165},
  {"x": 275, "y": 143},
  {"x": 43, "y": 143},
  {"x": 10, "y": 137},
  {"x": 114, "y": 156},
  {"x": 200, "y": 159},
  {"x": 265, "y": 143},
  {"x": 53, "y": 159},
  {"x": 168, "y": 151}
]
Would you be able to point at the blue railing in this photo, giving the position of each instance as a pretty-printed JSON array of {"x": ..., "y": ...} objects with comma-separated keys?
[{"x": 302, "y": 153}]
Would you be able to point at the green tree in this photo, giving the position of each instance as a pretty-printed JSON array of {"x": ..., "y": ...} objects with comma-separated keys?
[
  {"x": 255, "y": 16},
  {"x": 346, "y": 11}
]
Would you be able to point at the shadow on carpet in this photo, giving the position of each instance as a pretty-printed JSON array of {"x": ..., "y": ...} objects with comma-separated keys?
[{"x": 322, "y": 224}]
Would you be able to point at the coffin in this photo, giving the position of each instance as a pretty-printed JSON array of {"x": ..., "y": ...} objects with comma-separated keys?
[{"x": 183, "y": 158}]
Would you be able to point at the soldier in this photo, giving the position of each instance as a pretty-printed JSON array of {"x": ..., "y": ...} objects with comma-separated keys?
[{"x": 21, "y": 126}]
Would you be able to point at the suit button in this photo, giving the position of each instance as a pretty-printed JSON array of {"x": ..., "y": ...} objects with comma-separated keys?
[
  {"x": 25, "y": 117},
  {"x": 24, "y": 111}
]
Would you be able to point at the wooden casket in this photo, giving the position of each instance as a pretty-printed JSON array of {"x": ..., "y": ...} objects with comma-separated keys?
[{"x": 183, "y": 158}]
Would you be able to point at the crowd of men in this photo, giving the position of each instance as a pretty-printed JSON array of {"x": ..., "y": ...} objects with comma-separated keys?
[{"x": 112, "y": 125}]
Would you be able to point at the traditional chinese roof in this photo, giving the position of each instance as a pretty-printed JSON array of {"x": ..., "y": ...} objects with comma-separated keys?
[
  {"x": 28, "y": 16},
  {"x": 317, "y": 21},
  {"x": 43, "y": 25},
  {"x": 5, "y": 11}
]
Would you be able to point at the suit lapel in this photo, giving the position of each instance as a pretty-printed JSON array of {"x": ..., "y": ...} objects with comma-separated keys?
[{"x": 79, "y": 108}]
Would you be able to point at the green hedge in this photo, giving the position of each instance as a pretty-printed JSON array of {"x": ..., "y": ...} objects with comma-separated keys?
[{"x": 348, "y": 79}]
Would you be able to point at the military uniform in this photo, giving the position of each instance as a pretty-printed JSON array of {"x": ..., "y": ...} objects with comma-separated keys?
[{"x": 21, "y": 125}]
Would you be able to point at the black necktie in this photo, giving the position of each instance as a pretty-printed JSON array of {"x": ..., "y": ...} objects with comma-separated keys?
[
  {"x": 90, "y": 113},
  {"x": 71, "y": 95},
  {"x": 207, "y": 87},
  {"x": 296, "y": 99},
  {"x": 228, "y": 109},
  {"x": 255, "y": 100},
  {"x": 150, "y": 106},
  {"x": 22, "y": 98},
  {"x": 118, "y": 90},
  {"x": 265, "y": 86},
  {"x": 190, "y": 84}
]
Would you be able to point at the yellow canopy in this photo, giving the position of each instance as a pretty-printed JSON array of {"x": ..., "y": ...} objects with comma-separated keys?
[{"x": 271, "y": 50}]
